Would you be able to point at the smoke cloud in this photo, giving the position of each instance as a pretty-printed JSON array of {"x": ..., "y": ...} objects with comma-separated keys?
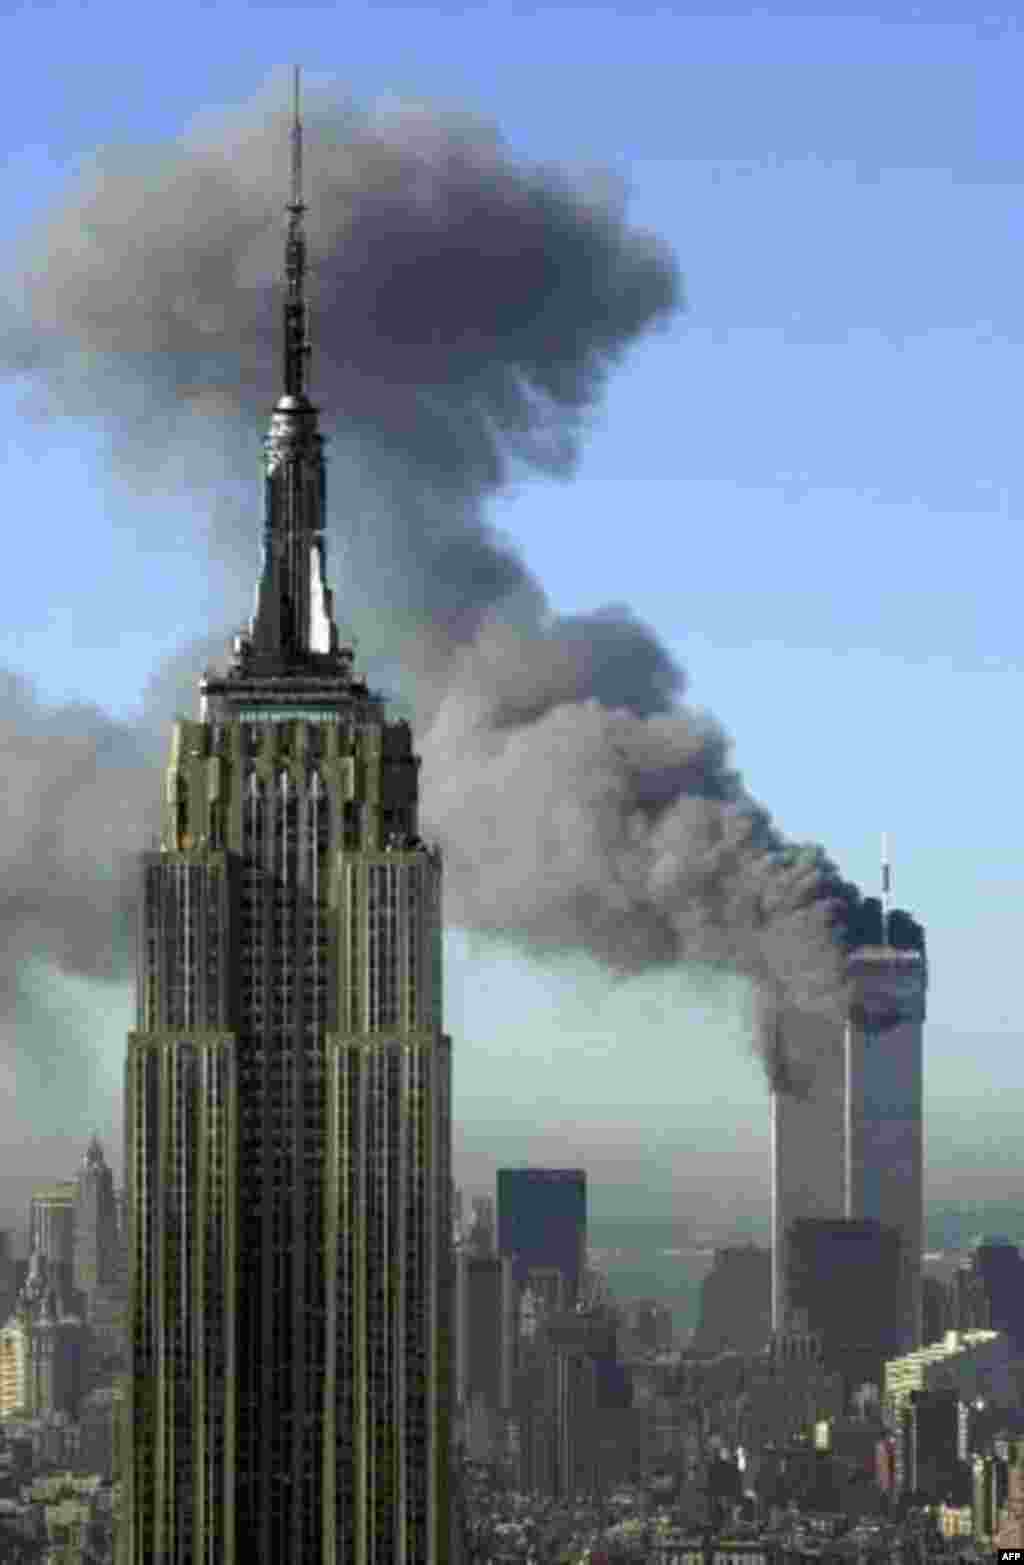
[{"x": 467, "y": 309}]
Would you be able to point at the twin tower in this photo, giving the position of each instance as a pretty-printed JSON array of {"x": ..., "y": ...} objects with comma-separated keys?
[{"x": 850, "y": 1145}]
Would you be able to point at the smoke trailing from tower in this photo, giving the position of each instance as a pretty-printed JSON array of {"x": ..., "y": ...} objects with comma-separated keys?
[{"x": 467, "y": 309}]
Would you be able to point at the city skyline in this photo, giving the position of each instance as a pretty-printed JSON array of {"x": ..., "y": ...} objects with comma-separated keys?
[{"x": 885, "y": 767}]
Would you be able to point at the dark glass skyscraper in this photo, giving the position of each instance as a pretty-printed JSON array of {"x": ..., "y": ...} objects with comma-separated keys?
[
  {"x": 542, "y": 1221},
  {"x": 288, "y": 1093},
  {"x": 998, "y": 1267},
  {"x": 845, "y": 1275}
]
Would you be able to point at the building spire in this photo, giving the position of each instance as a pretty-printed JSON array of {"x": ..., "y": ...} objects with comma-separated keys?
[
  {"x": 294, "y": 618},
  {"x": 292, "y": 634},
  {"x": 296, "y": 311}
]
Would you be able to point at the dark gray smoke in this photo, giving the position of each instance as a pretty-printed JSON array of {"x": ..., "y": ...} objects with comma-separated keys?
[{"x": 467, "y": 309}]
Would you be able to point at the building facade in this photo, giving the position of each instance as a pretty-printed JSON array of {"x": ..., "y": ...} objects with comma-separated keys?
[
  {"x": 542, "y": 1222},
  {"x": 735, "y": 1302},
  {"x": 997, "y": 1270},
  {"x": 884, "y": 1130},
  {"x": 845, "y": 1276},
  {"x": 480, "y": 1235},
  {"x": 974, "y": 1364},
  {"x": 807, "y": 1132},
  {"x": 51, "y": 1233},
  {"x": 42, "y": 1351},
  {"x": 288, "y": 1093},
  {"x": 8, "y": 1275},
  {"x": 486, "y": 1321}
]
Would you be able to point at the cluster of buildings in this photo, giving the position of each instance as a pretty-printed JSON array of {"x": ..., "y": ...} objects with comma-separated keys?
[
  {"x": 64, "y": 1309},
  {"x": 841, "y": 1369},
  {"x": 544, "y": 1390},
  {"x": 63, "y": 1355}
]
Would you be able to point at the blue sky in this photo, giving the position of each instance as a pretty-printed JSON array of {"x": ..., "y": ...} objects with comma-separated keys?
[{"x": 810, "y": 484}]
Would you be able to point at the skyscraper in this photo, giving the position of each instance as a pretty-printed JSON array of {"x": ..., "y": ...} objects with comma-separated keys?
[
  {"x": 8, "y": 1284},
  {"x": 288, "y": 1091},
  {"x": 95, "y": 1226},
  {"x": 41, "y": 1350},
  {"x": 807, "y": 1132},
  {"x": 883, "y": 1134},
  {"x": 998, "y": 1269},
  {"x": 542, "y": 1222},
  {"x": 735, "y": 1302},
  {"x": 845, "y": 1275},
  {"x": 51, "y": 1232},
  {"x": 849, "y": 1143},
  {"x": 480, "y": 1237}
]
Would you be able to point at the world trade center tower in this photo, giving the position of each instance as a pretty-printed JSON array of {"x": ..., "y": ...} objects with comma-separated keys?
[
  {"x": 849, "y": 1144},
  {"x": 288, "y": 1092}
]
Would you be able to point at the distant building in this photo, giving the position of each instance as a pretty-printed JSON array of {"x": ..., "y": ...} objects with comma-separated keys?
[
  {"x": 95, "y": 1235},
  {"x": 927, "y": 1446},
  {"x": 845, "y": 1276},
  {"x": 972, "y": 1363},
  {"x": 989, "y": 1491},
  {"x": 51, "y": 1232},
  {"x": 969, "y": 1308},
  {"x": 542, "y": 1222},
  {"x": 14, "y": 1369},
  {"x": 480, "y": 1236},
  {"x": 485, "y": 1329},
  {"x": 108, "y": 1329},
  {"x": 573, "y": 1408},
  {"x": 954, "y": 1521},
  {"x": 735, "y": 1302},
  {"x": 41, "y": 1352},
  {"x": 997, "y": 1268},
  {"x": 851, "y": 1441},
  {"x": 788, "y": 1390},
  {"x": 8, "y": 1276},
  {"x": 937, "y": 1310},
  {"x": 100, "y": 1417},
  {"x": 885, "y": 1464},
  {"x": 1010, "y": 1529},
  {"x": 647, "y": 1325}
]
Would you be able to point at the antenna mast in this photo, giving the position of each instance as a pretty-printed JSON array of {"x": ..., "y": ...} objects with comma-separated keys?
[{"x": 296, "y": 314}]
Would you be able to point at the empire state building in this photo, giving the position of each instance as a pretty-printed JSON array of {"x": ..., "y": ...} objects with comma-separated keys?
[{"x": 287, "y": 1091}]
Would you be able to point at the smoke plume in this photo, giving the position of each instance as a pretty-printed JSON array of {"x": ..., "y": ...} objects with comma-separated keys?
[{"x": 467, "y": 308}]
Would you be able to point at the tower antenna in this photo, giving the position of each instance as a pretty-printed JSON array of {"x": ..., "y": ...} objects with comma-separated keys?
[
  {"x": 886, "y": 888},
  {"x": 296, "y": 314},
  {"x": 296, "y": 141}
]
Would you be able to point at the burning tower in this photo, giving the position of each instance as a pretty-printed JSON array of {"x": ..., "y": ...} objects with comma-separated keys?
[{"x": 848, "y": 1142}]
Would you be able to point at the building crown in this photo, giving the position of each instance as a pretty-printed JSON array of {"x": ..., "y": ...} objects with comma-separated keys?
[
  {"x": 93, "y": 1155},
  {"x": 293, "y": 627}
]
